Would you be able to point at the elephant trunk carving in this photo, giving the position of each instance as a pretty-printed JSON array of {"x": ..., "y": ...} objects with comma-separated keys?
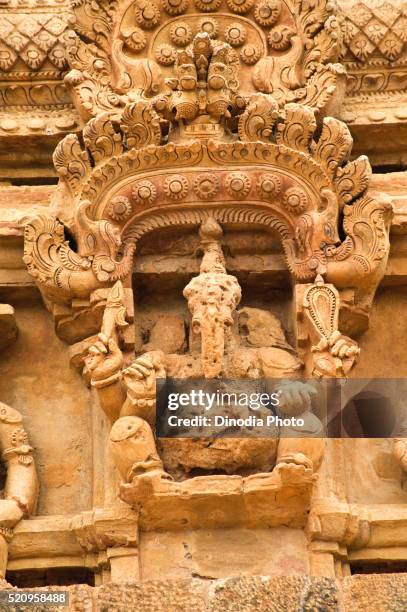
[{"x": 212, "y": 299}]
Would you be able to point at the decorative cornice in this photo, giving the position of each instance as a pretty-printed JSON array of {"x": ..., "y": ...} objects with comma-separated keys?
[{"x": 36, "y": 103}]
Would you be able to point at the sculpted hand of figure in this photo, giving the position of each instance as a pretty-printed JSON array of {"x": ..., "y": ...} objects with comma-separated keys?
[
  {"x": 104, "y": 362},
  {"x": 341, "y": 346},
  {"x": 103, "y": 371},
  {"x": 140, "y": 381},
  {"x": 295, "y": 397},
  {"x": 338, "y": 354},
  {"x": 131, "y": 439}
]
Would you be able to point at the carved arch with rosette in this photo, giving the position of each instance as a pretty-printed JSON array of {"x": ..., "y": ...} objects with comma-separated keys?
[{"x": 126, "y": 183}]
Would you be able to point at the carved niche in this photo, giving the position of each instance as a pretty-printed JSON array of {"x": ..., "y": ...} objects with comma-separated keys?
[
  {"x": 206, "y": 116},
  {"x": 274, "y": 175}
]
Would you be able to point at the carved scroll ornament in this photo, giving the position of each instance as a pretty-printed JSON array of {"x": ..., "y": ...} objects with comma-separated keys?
[{"x": 182, "y": 131}]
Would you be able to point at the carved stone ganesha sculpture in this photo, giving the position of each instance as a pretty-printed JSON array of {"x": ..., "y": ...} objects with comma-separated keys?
[
  {"x": 208, "y": 114},
  {"x": 128, "y": 394}
]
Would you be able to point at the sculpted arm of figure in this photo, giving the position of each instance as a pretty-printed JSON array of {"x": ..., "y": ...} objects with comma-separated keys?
[
  {"x": 140, "y": 381},
  {"x": 300, "y": 449},
  {"x": 131, "y": 439},
  {"x": 21, "y": 489},
  {"x": 103, "y": 367}
]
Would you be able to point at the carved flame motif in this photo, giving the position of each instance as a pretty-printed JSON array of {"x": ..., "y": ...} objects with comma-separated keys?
[{"x": 333, "y": 354}]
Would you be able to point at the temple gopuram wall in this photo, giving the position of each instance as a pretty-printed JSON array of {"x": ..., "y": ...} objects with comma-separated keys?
[{"x": 200, "y": 190}]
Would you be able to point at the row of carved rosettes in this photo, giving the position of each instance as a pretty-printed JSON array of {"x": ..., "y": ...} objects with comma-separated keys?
[{"x": 112, "y": 149}]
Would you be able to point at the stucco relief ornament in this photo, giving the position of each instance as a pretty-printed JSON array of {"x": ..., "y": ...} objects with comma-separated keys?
[
  {"x": 120, "y": 208},
  {"x": 181, "y": 34},
  {"x": 189, "y": 126},
  {"x": 125, "y": 53},
  {"x": 62, "y": 273},
  {"x": 269, "y": 185},
  {"x": 295, "y": 200},
  {"x": 238, "y": 185},
  {"x": 206, "y": 186},
  {"x": 332, "y": 354},
  {"x": 215, "y": 142},
  {"x": 212, "y": 297},
  {"x": 235, "y": 34},
  {"x": 203, "y": 119},
  {"x": 176, "y": 187},
  {"x": 144, "y": 192},
  {"x": 175, "y": 7}
]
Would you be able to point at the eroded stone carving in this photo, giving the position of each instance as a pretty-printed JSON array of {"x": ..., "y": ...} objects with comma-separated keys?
[
  {"x": 196, "y": 118},
  {"x": 21, "y": 486},
  {"x": 205, "y": 88},
  {"x": 312, "y": 186},
  {"x": 32, "y": 66},
  {"x": 212, "y": 299},
  {"x": 374, "y": 56},
  {"x": 332, "y": 354},
  {"x": 62, "y": 273},
  {"x": 127, "y": 394}
]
